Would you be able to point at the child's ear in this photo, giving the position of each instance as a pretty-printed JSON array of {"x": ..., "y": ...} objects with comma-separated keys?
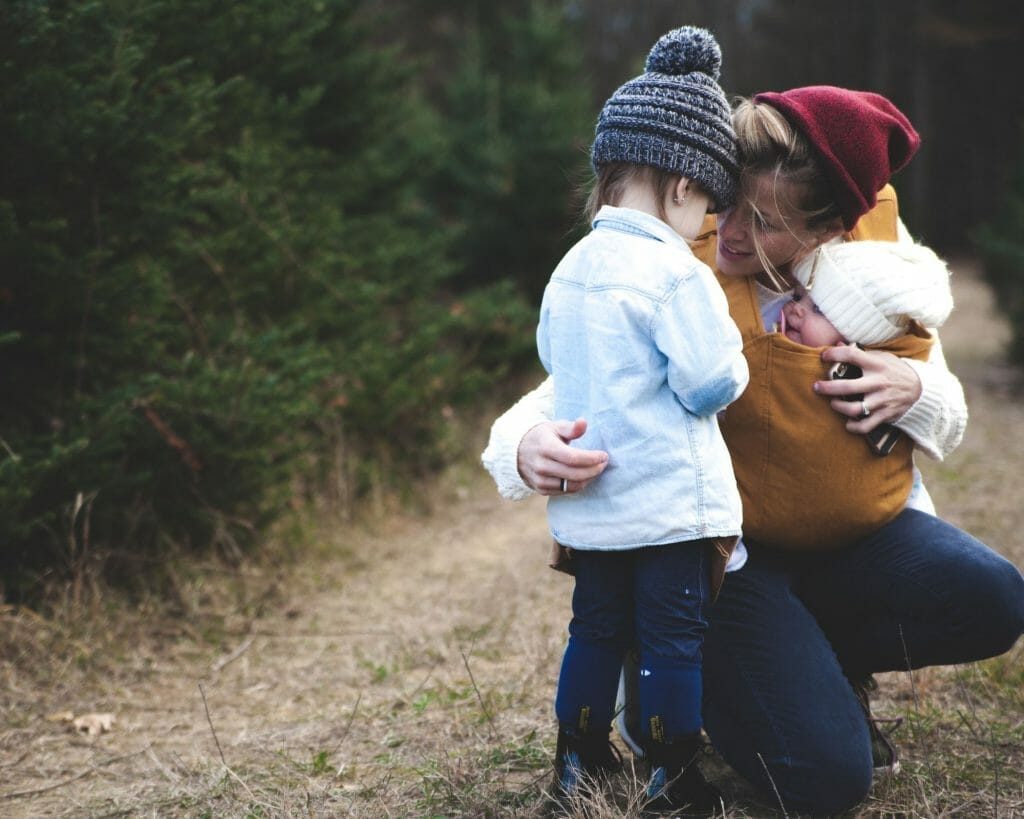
[{"x": 682, "y": 187}]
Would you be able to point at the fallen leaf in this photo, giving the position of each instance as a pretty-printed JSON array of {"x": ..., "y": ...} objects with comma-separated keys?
[{"x": 93, "y": 724}]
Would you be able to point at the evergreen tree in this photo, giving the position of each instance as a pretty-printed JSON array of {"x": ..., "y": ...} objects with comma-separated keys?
[
  {"x": 512, "y": 86},
  {"x": 1002, "y": 245},
  {"x": 225, "y": 273}
]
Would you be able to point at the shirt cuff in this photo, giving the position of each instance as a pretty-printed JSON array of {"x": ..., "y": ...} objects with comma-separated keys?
[
  {"x": 501, "y": 457},
  {"x": 922, "y": 421}
]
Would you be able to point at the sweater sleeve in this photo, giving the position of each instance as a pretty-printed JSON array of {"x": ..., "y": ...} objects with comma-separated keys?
[
  {"x": 501, "y": 456},
  {"x": 937, "y": 420}
]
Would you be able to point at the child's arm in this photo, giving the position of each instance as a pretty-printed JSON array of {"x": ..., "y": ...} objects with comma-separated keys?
[{"x": 706, "y": 367}]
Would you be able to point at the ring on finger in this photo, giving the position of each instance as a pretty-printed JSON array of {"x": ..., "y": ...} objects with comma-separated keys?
[
  {"x": 565, "y": 485},
  {"x": 864, "y": 411}
]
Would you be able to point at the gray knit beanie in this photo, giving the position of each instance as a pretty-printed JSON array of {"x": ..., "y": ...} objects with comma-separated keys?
[{"x": 674, "y": 116}]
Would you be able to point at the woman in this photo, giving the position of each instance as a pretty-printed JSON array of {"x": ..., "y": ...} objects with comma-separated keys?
[{"x": 795, "y": 636}]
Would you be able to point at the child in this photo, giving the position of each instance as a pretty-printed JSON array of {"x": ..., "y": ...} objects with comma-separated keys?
[
  {"x": 880, "y": 295},
  {"x": 636, "y": 334}
]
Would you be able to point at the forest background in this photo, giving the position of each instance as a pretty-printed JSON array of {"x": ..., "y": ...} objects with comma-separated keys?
[
  {"x": 268, "y": 270},
  {"x": 262, "y": 257}
]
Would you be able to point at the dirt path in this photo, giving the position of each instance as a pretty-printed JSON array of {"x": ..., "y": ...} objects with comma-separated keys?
[
  {"x": 366, "y": 665},
  {"x": 381, "y": 679}
]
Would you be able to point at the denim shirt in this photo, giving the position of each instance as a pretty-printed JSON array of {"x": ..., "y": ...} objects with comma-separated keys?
[{"x": 636, "y": 333}]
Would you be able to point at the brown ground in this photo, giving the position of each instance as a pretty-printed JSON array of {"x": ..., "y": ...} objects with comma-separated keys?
[{"x": 377, "y": 678}]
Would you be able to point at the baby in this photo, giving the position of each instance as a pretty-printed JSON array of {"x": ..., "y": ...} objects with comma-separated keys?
[
  {"x": 865, "y": 293},
  {"x": 881, "y": 295}
]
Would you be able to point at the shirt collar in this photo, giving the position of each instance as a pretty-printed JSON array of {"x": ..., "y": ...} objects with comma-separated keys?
[{"x": 636, "y": 222}]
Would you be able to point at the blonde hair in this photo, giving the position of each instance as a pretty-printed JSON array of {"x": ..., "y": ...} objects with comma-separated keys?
[
  {"x": 612, "y": 179},
  {"x": 769, "y": 144}
]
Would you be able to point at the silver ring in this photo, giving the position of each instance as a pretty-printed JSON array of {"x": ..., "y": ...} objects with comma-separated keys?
[
  {"x": 565, "y": 485},
  {"x": 864, "y": 411}
]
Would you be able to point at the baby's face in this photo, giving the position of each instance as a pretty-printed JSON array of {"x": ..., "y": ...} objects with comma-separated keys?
[{"x": 803, "y": 323}]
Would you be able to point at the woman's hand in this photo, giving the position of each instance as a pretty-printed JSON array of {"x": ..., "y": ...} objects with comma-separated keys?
[
  {"x": 544, "y": 458},
  {"x": 889, "y": 385}
]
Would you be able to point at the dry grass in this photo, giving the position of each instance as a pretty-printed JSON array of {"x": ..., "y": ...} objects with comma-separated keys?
[{"x": 407, "y": 668}]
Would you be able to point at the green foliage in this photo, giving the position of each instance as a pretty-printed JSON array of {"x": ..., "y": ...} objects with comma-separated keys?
[
  {"x": 228, "y": 266},
  {"x": 519, "y": 151},
  {"x": 1002, "y": 245},
  {"x": 321, "y": 763}
]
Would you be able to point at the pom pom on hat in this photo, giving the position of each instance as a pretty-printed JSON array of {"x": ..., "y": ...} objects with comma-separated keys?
[
  {"x": 674, "y": 116},
  {"x": 860, "y": 138},
  {"x": 871, "y": 291},
  {"x": 685, "y": 50}
]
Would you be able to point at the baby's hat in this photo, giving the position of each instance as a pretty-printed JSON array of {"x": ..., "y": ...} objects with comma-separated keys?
[
  {"x": 871, "y": 291},
  {"x": 674, "y": 116}
]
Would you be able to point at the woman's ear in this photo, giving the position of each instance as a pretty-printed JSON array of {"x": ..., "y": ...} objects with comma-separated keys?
[{"x": 830, "y": 232}]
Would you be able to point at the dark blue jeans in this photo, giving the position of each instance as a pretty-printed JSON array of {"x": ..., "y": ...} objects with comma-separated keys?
[
  {"x": 789, "y": 629},
  {"x": 654, "y": 598}
]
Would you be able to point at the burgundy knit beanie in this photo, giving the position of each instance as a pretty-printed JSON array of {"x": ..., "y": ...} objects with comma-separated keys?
[{"x": 860, "y": 138}]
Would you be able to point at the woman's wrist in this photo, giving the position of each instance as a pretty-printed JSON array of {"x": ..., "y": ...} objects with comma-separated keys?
[
  {"x": 501, "y": 460},
  {"x": 501, "y": 457},
  {"x": 937, "y": 420}
]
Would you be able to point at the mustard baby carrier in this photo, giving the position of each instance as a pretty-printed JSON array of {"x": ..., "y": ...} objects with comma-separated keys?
[{"x": 806, "y": 482}]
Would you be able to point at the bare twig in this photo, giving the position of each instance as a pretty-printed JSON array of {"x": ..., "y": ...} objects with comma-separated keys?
[
  {"x": 970, "y": 723},
  {"x": 768, "y": 773},
  {"x": 910, "y": 671},
  {"x": 422, "y": 683},
  {"x": 348, "y": 725},
  {"x": 172, "y": 439},
  {"x": 480, "y": 699},
  {"x": 995, "y": 776},
  {"x": 16, "y": 762},
  {"x": 212, "y": 730},
  {"x": 324, "y": 635},
  {"x": 10, "y": 452},
  {"x": 75, "y": 778},
  {"x": 922, "y": 789},
  {"x": 169, "y": 775},
  {"x": 227, "y": 659}
]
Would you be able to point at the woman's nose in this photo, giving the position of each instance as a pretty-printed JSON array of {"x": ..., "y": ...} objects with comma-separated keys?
[{"x": 730, "y": 223}]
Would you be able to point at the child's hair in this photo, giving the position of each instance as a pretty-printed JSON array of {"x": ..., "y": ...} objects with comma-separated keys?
[
  {"x": 768, "y": 143},
  {"x": 612, "y": 179}
]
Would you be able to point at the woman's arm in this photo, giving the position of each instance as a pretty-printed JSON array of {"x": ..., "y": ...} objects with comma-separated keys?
[
  {"x": 938, "y": 419},
  {"x": 924, "y": 399},
  {"x": 528, "y": 452}
]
